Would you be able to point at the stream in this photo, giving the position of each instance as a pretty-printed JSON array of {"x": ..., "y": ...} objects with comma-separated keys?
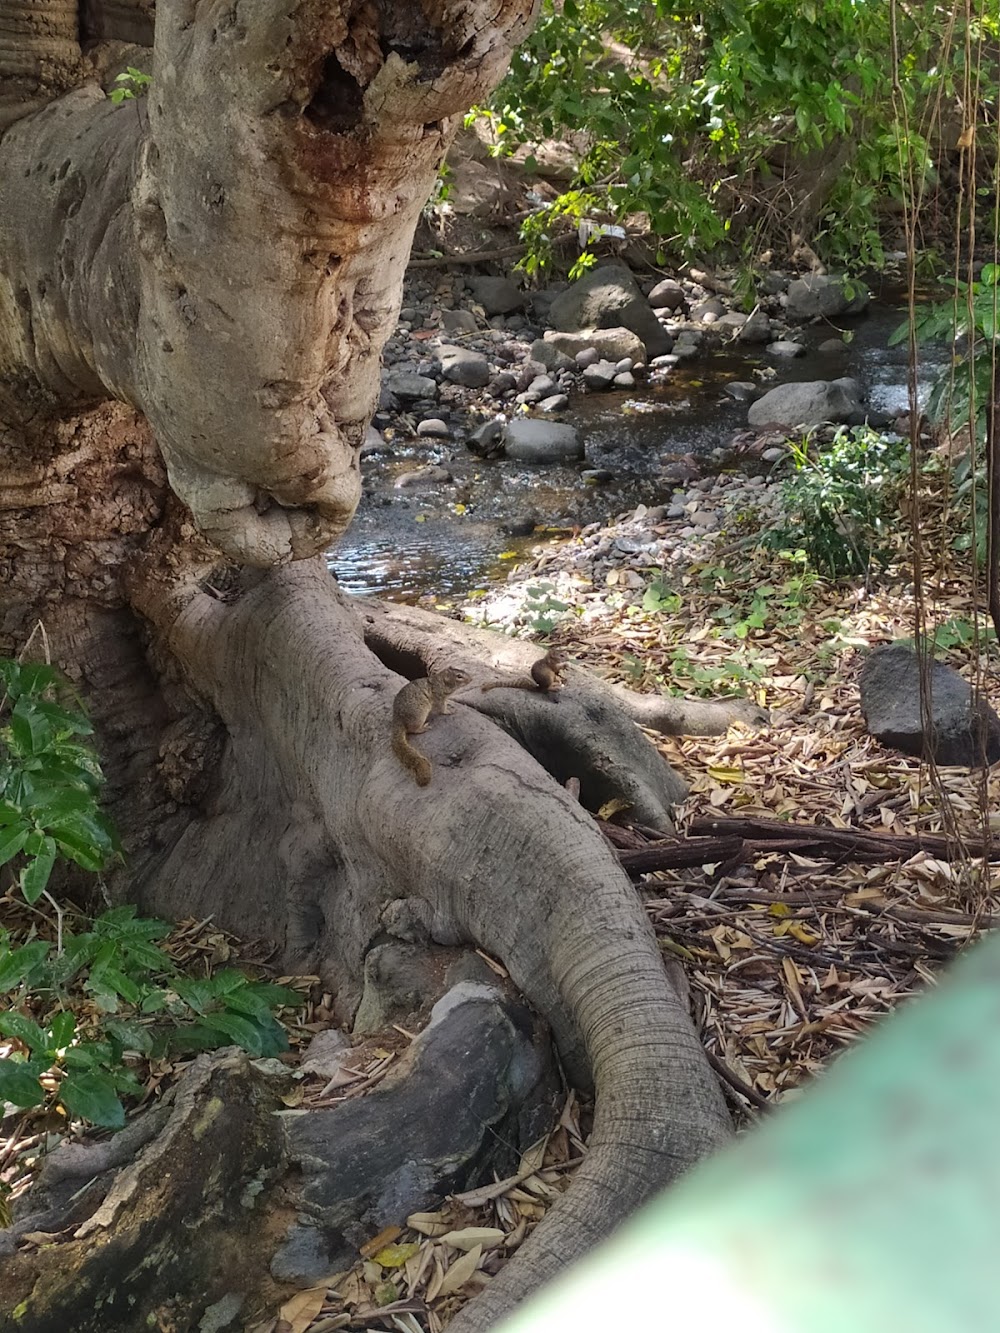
[{"x": 447, "y": 539}]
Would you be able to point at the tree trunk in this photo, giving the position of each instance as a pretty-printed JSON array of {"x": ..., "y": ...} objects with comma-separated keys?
[{"x": 224, "y": 258}]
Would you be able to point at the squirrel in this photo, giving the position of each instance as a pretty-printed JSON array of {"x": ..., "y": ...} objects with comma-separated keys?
[
  {"x": 413, "y": 707},
  {"x": 546, "y": 676}
]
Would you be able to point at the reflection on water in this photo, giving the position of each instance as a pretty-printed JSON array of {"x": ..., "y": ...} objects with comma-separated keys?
[{"x": 449, "y": 539}]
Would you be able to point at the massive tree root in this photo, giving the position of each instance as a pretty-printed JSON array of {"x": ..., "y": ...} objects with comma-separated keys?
[{"x": 493, "y": 852}]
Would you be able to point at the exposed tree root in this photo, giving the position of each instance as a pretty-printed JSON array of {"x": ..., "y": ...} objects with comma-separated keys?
[{"x": 314, "y": 827}]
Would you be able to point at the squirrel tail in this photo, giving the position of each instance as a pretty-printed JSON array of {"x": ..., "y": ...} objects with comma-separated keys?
[
  {"x": 509, "y": 683},
  {"x": 410, "y": 757}
]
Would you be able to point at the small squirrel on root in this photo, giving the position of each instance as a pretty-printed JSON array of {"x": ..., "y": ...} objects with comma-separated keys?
[
  {"x": 546, "y": 676},
  {"x": 413, "y": 707}
]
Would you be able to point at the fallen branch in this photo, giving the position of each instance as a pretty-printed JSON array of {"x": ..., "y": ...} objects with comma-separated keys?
[{"x": 769, "y": 835}]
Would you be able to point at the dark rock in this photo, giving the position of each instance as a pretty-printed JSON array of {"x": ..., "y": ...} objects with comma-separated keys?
[
  {"x": 519, "y": 527},
  {"x": 458, "y": 321},
  {"x": 963, "y": 729},
  {"x": 409, "y": 387},
  {"x": 487, "y": 440},
  {"x": 757, "y": 329},
  {"x": 825, "y": 296},
  {"x": 744, "y": 391},
  {"x": 597, "y": 476},
  {"x": 471, "y": 1093},
  {"x": 772, "y": 284},
  {"x": 707, "y": 312},
  {"x": 549, "y": 356},
  {"x": 497, "y": 296},
  {"x": 601, "y": 375},
  {"x": 534, "y": 441},
  {"x": 609, "y": 297},
  {"x": 832, "y": 346}
]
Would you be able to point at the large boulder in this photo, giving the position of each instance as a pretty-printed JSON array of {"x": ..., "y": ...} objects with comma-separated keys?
[
  {"x": 533, "y": 441},
  {"x": 809, "y": 404},
  {"x": 609, "y": 297},
  {"x": 821, "y": 295},
  {"x": 613, "y": 344},
  {"x": 962, "y": 727},
  {"x": 408, "y": 386}
]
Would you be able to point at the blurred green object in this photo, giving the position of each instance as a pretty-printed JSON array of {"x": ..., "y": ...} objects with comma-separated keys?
[{"x": 871, "y": 1205}]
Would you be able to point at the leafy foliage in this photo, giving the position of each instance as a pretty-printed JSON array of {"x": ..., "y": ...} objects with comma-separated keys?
[
  {"x": 138, "y": 1004},
  {"x": 49, "y": 781},
  {"x": 130, "y": 84},
  {"x": 718, "y": 119},
  {"x": 843, "y": 501},
  {"x": 78, "y": 1015}
]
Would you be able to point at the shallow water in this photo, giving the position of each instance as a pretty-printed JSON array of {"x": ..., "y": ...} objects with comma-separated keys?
[{"x": 447, "y": 539}]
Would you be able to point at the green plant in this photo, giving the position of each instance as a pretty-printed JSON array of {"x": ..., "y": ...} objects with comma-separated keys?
[
  {"x": 539, "y": 603},
  {"x": 841, "y": 503},
  {"x": 659, "y": 597},
  {"x": 79, "y": 1018},
  {"x": 49, "y": 781},
  {"x": 681, "y": 111},
  {"x": 130, "y": 84}
]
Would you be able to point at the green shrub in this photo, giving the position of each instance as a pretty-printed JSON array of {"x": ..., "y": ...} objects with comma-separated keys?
[{"x": 843, "y": 503}]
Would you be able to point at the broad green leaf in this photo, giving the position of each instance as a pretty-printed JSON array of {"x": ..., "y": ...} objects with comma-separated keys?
[
  {"x": 14, "y": 1024},
  {"x": 16, "y": 964},
  {"x": 35, "y": 875},
  {"x": 11, "y": 842},
  {"x": 19, "y": 1083},
  {"x": 61, "y": 1030},
  {"x": 91, "y": 1096},
  {"x": 237, "y": 1029}
]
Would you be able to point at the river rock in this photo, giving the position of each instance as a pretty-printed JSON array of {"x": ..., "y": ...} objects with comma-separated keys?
[
  {"x": 666, "y": 295},
  {"x": 784, "y": 347},
  {"x": 487, "y": 440},
  {"x": 832, "y": 346},
  {"x": 409, "y": 387},
  {"x": 434, "y": 428},
  {"x": 497, "y": 296},
  {"x": 458, "y": 321},
  {"x": 613, "y": 344},
  {"x": 824, "y": 295},
  {"x": 534, "y": 441},
  {"x": 757, "y": 328},
  {"x": 555, "y": 403},
  {"x": 462, "y": 366},
  {"x": 609, "y": 297},
  {"x": 549, "y": 356},
  {"x": 624, "y": 380},
  {"x": 423, "y": 476},
  {"x": 808, "y": 404},
  {"x": 707, "y": 312},
  {"x": 743, "y": 391},
  {"x": 963, "y": 729},
  {"x": 600, "y": 375}
]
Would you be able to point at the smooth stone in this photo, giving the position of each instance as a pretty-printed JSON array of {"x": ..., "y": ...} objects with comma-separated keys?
[{"x": 433, "y": 427}]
